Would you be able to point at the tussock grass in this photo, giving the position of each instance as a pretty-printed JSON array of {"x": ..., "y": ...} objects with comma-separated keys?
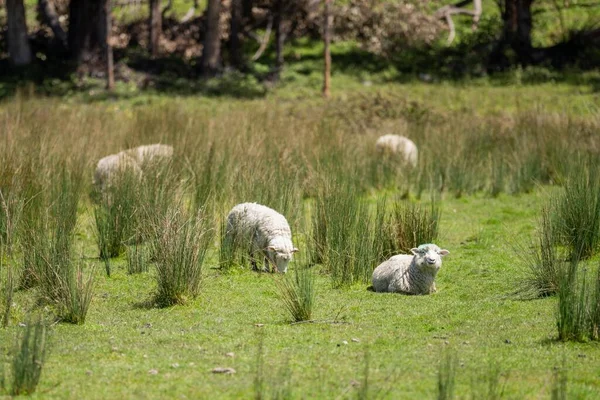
[
  {"x": 298, "y": 293},
  {"x": 116, "y": 215},
  {"x": 138, "y": 259},
  {"x": 544, "y": 262},
  {"x": 7, "y": 290},
  {"x": 413, "y": 224},
  {"x": 180, "y": 243},
  {"x": 28, "y": 357},
  {"x": 577, "y": 211}
]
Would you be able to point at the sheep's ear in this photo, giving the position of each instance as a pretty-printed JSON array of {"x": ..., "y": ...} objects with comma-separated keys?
[
  {"x": 415, "y": 251},
  {"x": 272, "y": 248},
  {"x": 295, "y": 249},
  {"x": 443, "y": 252}
]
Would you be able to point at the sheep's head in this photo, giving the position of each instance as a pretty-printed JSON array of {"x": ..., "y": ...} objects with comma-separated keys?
[
  {"x": 429, "y": 256},
  {"x": 280, "y": 252}
]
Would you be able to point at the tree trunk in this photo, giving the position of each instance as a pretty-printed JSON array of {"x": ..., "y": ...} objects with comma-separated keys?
[
  {"x": 516, "y": 33},
  {"x": 18, "y": 42},
  {"x": 211, "y": 53},
  {"x": 155, "y": 27},
  {"x": 110, "y": 68},
  {"x": 87, "y": 29},
  {"x": 279, "y": 37},
  {"x": 47, "y": 15},
  {"x": 326, "y": 53},
  {"x": 235, "y": 44}
]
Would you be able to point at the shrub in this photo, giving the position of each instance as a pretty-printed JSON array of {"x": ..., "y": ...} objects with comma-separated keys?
[{"x": 180, "y": 244}]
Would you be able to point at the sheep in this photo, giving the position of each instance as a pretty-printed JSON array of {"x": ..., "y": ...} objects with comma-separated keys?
[
  {"x": 150, "y": 152},
  {"x": 266, "y": 232},
  {"x": 112, "y": 167},
  {"x": 400, "y": 146},
  {"x": 410, "y": 274}
]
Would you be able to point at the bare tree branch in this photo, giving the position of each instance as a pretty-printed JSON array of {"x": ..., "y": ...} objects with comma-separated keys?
[{"x": 265, "y": 40}]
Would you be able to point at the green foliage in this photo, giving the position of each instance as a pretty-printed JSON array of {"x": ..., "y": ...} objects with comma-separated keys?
[
  {"x": 7, "y": 289},
  {"x": 28, "y": 359},
  {"x": 138, "y": 259},
  {"x": 298, "y": 294},
  {"x": 179, "y": 246}
]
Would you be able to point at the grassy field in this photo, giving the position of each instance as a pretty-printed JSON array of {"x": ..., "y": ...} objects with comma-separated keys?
[{"x": 491, "y": 156}]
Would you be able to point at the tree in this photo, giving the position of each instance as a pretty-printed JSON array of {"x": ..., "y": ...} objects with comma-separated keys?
[
  {"x": 18, "y": 42},
  {"x": 155, "y": 27},
  {"x": 516, "y": 32},
  {"x": 235, "y": 26},
  {"x": 210, "y": 62},
  {"x": 47, "y": 15},
  {"x": 87, "y": 29}
]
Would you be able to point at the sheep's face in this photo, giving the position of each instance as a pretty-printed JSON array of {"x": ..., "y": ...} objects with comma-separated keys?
[
  {"x": 429, "y": 256},
  {"x": 280, "y": 257}
]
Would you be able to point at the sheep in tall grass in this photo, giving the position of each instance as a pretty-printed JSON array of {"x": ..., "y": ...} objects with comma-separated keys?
[
  {"x": 150, "y": 153},
  {"x": 410, "y": 274},
  {"x": 265, "y": 231},
  {"x": 399, "y": 146},
  {"x": 113, "y": 167}
]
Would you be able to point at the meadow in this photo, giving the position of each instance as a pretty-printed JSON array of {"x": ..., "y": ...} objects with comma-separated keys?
[{"x": 491, "y": 160}]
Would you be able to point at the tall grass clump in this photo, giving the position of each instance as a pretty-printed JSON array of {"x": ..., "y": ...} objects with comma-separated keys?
[
  {"x": 544, "y": 263},
  {"x": 11, "y": 204},
  {"x": 411, "y": 225},
  {"x": 447, "y": 376},
  {"x": 297, "y": 293},
  {"x": 7, "y": 290},
  {"x": 345, "y": 235},
  {"x": 577, "y": 213},
  {"x": 28, "y": 358},
  {"x": 576, "y": 304},
  {"x": 138, "y": 259},
  {"x": 115, "y": 215},
  {"x": 179, "y": 246}
]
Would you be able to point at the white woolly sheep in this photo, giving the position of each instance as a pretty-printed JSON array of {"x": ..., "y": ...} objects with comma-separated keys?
[
  {"x": 410, "y": 274},
  {"x": 150, "y": 152},
  {"x": 111, "y": 167},
  {"x": 399, "y": 146},
  {"x": 265, "y": 231}
]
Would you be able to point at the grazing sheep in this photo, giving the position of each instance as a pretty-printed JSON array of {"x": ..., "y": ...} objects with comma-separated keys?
[
  {"x": 266, "y": 232},
  {"x": 410, "y": 274},
  {"x": 398, "y": 145},
  {"x": 111, "y": 167},
  {"x": 150, "y": 152}
]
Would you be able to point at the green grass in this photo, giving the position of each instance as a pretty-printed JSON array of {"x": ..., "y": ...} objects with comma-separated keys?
[{"x": 286, "y": 152}]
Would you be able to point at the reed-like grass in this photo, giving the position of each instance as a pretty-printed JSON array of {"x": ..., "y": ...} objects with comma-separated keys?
[
  {"x": 413, "y": 224},
  {"x": 544, "y": 263},
  {"x": 7, "y": 290},
  {"x": 138, "y": 259},
  {"x": 28, "y": 359},
  {"x": 116, "y": 214},
  {"x": 180, "y": 243},
  {"x": 297, "y": 293},
  {"x": 575, "y": 297},
  {"x": 577, "y": 211},
  {"x": 489, "y": 383}
]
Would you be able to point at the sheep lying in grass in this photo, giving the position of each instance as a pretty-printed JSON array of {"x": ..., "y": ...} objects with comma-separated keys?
[
  {"x": 113, "y": 167},
  {"x": 265, "y": 231},
  {"x": 410, "y": 274},
  {"x": 398, "y": 146}
]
